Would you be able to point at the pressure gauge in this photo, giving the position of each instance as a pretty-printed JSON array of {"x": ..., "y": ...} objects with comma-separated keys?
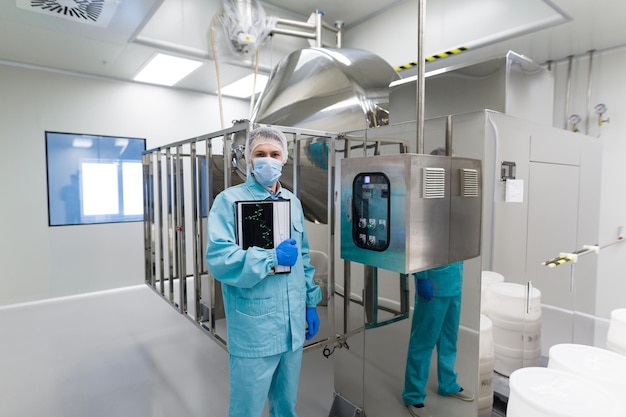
[
  {"x": 574, "y": 119},
  {"x": 600, "y": 108}
]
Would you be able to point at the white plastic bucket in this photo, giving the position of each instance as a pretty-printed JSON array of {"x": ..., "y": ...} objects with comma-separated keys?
[
  {"x": 508, "y": 359},
  {"x": 545, "y": 392},
  {"x": 594, "y": 364},
  {"x": 486, "y": 279},
  {"x": 486, "y": 358},
  {"x": 507, "y": 301},
  {"x": 616, "y": 338},
  {"x": 516, "y": 326},
  {"x": 517, "y": 334}
]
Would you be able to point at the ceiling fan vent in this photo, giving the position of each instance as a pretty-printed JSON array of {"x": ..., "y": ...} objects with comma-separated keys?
[{"x": 91, "y": 12}]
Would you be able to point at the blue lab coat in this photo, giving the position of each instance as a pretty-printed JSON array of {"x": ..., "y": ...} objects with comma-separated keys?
[{"x": 265, "y": 312}]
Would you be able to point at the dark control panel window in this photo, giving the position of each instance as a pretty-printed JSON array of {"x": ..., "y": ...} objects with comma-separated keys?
[{"x": 370, "y": 211}]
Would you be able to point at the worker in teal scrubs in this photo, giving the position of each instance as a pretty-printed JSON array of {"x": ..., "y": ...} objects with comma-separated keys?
[
  {"x": 435, "y": 322},
  {"x": 268, "y": 315}
]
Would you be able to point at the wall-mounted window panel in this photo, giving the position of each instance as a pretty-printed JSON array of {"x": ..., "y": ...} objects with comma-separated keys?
[{"x": 94, "y": 179}]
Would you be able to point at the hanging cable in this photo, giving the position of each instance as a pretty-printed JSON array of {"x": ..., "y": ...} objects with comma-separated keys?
[
  {"x": 217, "y": 67},
  {"x": 256, "y": 71}
]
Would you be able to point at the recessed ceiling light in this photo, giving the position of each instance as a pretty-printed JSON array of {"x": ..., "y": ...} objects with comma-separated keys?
[
  {"x": 243, "y": 87},
  {"x": 166, "y": 70}
]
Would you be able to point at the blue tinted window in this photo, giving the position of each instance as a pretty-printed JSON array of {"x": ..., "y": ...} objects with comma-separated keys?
[{"x": 94, "y": 179}]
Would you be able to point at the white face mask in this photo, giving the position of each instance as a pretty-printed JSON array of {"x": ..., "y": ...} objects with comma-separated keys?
[{"x": 267, "y": 170}]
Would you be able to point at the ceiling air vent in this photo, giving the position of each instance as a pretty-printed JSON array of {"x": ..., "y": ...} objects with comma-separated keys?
[{"x": 91, "y": 12}]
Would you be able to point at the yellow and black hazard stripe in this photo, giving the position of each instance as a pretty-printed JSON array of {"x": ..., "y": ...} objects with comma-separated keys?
[
  {"x": 558, "y": 261},
  {"x": 434, "y": 57}
]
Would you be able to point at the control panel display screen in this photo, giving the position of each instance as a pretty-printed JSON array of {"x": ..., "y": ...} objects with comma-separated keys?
[{"x": 370, "y": 211}]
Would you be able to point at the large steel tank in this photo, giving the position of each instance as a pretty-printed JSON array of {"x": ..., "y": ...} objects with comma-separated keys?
[{"x": 328, "y": 89}]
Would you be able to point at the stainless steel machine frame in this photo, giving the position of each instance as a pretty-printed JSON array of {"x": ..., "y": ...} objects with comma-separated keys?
[{"x": 178, "y": 192}]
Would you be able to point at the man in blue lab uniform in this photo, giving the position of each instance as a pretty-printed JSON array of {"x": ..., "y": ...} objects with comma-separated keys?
[
  {"x": 268, "y": 315},
  {"x": 435, "y": 323}
]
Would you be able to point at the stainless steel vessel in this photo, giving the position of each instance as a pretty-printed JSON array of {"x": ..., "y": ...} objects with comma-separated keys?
[{"x": 328, "y": 89}]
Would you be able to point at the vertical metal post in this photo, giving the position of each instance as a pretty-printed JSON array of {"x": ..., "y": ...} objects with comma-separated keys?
[
  {"x": 170, "y": 226},
  {"x": 209, "y": 196},
  {"x": 148, "y": 219},
  {"x": 449, "y": 135},
  {"x": 331, "y": 200},
  {"x": 159, "y": 192},
  {"x": 404, "y": 293},
  {"x": 347, "y": 283},
  {"x": 318, "y": 28},
  {"x": 339, "y": 25},
  {"x": 196, "y": 225},
  {"x": 421, "y": 10},
  {"x": 347, "y": 295},
  {"x": 370, "y": 299},
  {"x": 568, "y": 88},
  {"x": 296, "y": 164},
  {"x": 180, "y": 231},
  {"x": 588, "y": 119}
]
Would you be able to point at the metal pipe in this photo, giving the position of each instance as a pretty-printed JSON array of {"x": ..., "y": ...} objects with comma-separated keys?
[
  {"x": 170, "y": 225},
  {"x": 370, "y": 296},
  {"x": 449, "y": 135},
  {"x": 180, "y": 231},
  {"x": 318, "y": 28},
  {"x": 330, "y": 242},
  {"x": 159, "y": 157},
  {"x": 295, "y": 23},
  {"x": 421, "y": 9},
  {"x": 339, "y": 25},
  {"x": 295, "y": 33},
  {"x": 296, "y": 165},
  {"x": 568, "y": 87},
  {"x": 196, "y": 227},
  {"x": 589, "y": 92}
]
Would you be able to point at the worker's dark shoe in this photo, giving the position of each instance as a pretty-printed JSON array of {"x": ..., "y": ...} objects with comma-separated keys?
[
  {"x": 464, "y": 396},
  {"x": 419, "y": 410}
]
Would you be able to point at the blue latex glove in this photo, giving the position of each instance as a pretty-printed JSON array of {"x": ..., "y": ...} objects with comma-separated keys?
[
  {"x": 425, "y": 289},
  {"x": 287, "y": 252},
  {"x": 312, "y": 321}
]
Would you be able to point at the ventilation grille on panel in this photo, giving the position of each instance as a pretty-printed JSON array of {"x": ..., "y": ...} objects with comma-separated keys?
[
  {"x": 469, "y": 182},
  {"x": 434, "y": 183},
  {"x": 92, "y": 12}
]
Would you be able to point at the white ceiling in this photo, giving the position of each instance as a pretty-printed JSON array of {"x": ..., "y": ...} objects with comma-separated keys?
[{"x": 139, "y": 28}]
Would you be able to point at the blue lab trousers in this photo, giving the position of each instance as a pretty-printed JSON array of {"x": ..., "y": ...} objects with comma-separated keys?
[
  {"x": 435, "y": 323},
  {"x": 252, "y": 380}
]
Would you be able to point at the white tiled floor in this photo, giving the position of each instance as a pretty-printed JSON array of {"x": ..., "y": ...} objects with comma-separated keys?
[{"x": 123, "y": 353}]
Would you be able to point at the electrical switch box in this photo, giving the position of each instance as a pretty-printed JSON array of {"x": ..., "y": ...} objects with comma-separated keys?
[{"x": 410, "y": 212}]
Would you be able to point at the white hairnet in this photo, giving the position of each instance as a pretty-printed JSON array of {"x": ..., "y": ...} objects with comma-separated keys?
[{"x": 265, "y": 135}]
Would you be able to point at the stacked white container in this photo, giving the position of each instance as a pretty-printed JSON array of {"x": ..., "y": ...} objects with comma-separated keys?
[
  {"x": 616, "y": 338},
  {"x": 486, "y": 359},
  {"x": 486, "y": 279},
  {"x": 516, "y": 326},
  {"x": 601, "y": 366},
  {"x": 545, "y": 392}
]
